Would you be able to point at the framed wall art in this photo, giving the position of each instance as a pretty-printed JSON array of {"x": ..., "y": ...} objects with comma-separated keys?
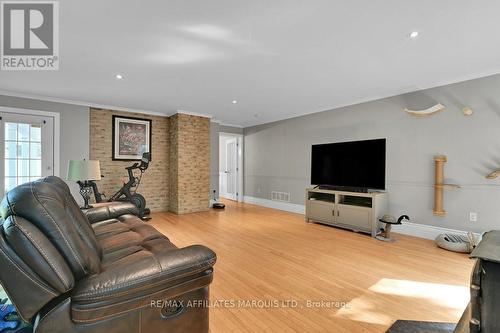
[{"x": 131, "y": 138}]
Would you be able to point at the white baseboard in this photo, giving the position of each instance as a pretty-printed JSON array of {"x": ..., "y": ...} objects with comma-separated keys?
[
  {"x": 426, "y": 231},
  {"x": 286, "y": 206},
  {"x": 407, "y": 228}
]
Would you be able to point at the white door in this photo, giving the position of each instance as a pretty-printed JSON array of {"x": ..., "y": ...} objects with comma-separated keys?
[
  {"x": 231, "y": 169},
  {"x": 27, "y": 148}
]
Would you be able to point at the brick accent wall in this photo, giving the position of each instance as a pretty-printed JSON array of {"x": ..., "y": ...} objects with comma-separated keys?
[
  {"x": 189, "y": 163},
  {"x": 178, "y": 177},
  {"x": 155, "y": 181}
]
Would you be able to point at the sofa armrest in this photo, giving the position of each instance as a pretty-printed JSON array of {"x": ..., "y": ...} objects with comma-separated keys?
[
  {"x": 109, "y": 210},
  {"x": 145, "y": 272}
]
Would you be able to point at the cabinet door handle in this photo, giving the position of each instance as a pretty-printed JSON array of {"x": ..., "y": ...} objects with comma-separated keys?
[
  {"x": 338, "y": 213},
  {"x": 333, "y": 212}
]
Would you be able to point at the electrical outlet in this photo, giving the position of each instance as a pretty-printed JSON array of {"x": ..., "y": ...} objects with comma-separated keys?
[{"x": 472, "y": 217}]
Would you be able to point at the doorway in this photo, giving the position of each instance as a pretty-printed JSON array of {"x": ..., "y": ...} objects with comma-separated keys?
[
  {"x": 231, "y": 166},
  {"x": 27, "y": 144}
]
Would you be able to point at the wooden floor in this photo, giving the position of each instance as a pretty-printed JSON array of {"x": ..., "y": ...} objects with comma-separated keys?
[{"x": 272, "y": 266}]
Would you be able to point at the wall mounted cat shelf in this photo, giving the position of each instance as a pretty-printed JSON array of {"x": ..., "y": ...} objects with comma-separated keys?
[
  {"x": 467, "y": 111},
  {"x": 493, "y": 174},
  {"x": 427, "y": 112}
]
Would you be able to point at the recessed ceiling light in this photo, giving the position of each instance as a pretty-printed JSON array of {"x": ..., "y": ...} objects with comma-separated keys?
[
  {"x": 235, "y": 101},
  {"x": 119, "y": 76},
  {"x": 414, "y": 34}
]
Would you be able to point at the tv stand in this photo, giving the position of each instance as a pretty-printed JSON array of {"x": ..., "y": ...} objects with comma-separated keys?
[{"x": 356, "y": 211}]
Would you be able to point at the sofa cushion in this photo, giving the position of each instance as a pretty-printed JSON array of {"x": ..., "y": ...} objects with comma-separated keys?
[
  {"x": 116, "y": 225},
  {"x": 127, "y": 231}
]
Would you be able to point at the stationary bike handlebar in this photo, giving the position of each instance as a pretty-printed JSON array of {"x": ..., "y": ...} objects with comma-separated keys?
[{"x": 143, "y": 166}]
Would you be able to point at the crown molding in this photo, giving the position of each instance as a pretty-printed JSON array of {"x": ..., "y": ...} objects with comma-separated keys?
[
  {"x": 227, "y": 124},
  {"x": 82, "y": 103},
  {"x": 189, "y": 113},
  {"x": 109, "y": 107},
  {"x": 231, "y": 125}
]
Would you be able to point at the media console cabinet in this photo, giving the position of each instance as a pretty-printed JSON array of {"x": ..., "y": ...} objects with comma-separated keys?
[{"x": 349, "y": 210}]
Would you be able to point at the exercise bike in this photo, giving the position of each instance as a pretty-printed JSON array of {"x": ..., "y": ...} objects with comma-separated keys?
[{"x": 128, "y": 192}]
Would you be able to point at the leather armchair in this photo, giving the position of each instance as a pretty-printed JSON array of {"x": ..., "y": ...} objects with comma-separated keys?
[{"x": 117, "y": 274}]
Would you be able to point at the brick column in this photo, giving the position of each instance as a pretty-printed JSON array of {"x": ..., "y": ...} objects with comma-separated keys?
[{"x": 189, "y": 172}]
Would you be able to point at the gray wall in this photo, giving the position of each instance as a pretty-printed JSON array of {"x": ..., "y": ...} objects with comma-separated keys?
[
  {"x": 215, "y": 129},
  {"x": 277, "y": 155},
  {"x": 75, "y": 122}
]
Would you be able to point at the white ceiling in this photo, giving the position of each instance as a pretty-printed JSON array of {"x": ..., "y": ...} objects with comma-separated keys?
[{"x": 278, "y": 59}]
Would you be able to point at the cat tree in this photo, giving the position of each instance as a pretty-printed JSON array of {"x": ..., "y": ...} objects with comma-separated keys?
[{"x": 439, "y": 185}]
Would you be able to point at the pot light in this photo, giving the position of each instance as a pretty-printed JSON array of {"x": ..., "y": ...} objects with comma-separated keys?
[
  {"x": 119, "y": 76},
  {"x": 235, "y": 101},
  {"x": 414, "y": 34}
]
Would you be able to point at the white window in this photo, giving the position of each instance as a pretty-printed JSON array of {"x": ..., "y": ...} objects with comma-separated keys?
[{"x": 27, "y": 148}]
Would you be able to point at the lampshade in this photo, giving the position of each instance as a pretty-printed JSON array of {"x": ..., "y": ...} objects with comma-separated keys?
[{"x": 84, "y": 170}]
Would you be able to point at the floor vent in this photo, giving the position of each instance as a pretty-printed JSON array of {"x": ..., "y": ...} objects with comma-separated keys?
[{"x": 280, "y": 196}]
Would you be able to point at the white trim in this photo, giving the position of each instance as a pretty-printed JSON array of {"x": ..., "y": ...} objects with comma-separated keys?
[
  {"x": 57, "y": 131},
  {"x": 407, "y": 228},
  {"x": 226, "y": 124},
  {"x": 425, "y": 231},
  {"x": 240, "y": 142},
  {"x": 286, "y": 206},
  {"x": 84, "y": 103},
  {"x": 230, "y": 125},
  {"x": 189, "y": 113},
  {"x": 106, "y": 106},
  {"x": 240, "y": 151}
]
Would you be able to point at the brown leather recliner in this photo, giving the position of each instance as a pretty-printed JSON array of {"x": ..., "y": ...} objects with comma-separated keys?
[{"x": 117, "y": 274}]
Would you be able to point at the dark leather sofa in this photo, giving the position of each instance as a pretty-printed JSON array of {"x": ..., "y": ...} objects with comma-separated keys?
[{"x": 104, "y": 270}]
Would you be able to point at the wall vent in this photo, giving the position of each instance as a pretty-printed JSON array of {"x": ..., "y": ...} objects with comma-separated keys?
[{"x": 280, "y": 196}]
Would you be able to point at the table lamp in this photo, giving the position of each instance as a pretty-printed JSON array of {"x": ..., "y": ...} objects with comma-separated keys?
[{"x": 83, "y": 172}]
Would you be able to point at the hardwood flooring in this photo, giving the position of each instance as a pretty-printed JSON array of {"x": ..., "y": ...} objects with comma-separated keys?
[{"x": 272, "y": 265}]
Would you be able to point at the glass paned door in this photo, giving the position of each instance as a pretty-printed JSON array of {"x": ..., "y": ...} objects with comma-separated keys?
[{"x": 27, "y": 149}]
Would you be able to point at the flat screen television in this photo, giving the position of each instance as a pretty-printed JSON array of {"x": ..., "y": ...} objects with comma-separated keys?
[{"x": 356, "y": 165}]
